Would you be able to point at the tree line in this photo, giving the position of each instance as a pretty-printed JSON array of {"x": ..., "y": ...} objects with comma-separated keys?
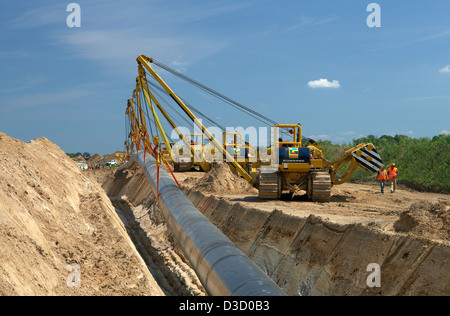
[
  {"x": 79, "y": 154},
  {"x": 424, "y": 163}
]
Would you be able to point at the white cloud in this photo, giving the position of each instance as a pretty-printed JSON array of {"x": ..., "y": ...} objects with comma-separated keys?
[
  {"x": 320, "y": 137},
  {"x": 444, "y": 132},
  {"x": 323, "y": 83},
  {"x": 445, "y": 69}
]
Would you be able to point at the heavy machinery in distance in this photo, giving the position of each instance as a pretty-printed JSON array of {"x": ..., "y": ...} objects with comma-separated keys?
[{"x": 297, "y": 163}]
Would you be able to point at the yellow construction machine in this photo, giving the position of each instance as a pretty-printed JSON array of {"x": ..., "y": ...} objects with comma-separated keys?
[
  {"x": 244, "y": 154},
  {"x": 198, "y": 150},
  {"x": 122, "y": 157},
  {"x": 297, "y": 166},
  {"x": 296, "y": 163}
]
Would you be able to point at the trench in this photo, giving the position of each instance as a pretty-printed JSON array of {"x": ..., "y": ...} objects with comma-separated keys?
[
  {"x": 135, "y": 204},
  {"x": 304, "y": 256}
]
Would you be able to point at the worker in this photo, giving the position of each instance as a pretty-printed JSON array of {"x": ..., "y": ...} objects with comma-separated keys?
[
  {"x": 282, "y": 143},
  {"x": 393, "y": 173},
  {"x": 382, "y": 176}
]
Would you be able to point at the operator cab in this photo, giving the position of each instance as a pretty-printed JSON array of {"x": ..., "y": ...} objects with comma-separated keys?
[{"x": 289, "y": 144}]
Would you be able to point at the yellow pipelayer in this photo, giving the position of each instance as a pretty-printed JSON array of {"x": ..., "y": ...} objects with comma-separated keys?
[{"x": 294, "y": 166}]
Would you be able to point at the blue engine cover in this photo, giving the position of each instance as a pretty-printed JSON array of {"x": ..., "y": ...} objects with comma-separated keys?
[{"x": 294, "y": 155}]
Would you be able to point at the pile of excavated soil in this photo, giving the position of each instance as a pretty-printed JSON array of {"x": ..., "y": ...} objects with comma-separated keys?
[
  {"x": 96, "y": 158},
  {"x": 99, "y": 175},
  {"x": 221, "y": 180},
  {"x": 425, "y": 219},
  {"x": 109, "y": 157},
  {"x": 59, "y": 233}
]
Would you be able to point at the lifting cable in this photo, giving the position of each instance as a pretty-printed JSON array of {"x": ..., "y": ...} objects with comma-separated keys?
[
  {"x": 173, "y": 108},
  {"x": 258, "y": 116},
  {"x": 190, "y": 106},
  {"x": 218, "y": 95}
]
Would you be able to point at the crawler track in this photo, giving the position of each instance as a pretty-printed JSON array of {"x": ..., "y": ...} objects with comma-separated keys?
[
  {"x": 321, "y": 186},
  {"x": 269, "y": 186}
]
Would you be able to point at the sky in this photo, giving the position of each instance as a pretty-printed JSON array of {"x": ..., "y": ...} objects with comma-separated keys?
[{"x": 317, "y": 63}]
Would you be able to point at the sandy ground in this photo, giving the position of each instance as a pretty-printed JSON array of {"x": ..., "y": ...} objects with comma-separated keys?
[
  {"x": 422, "y": 214},
  {"x": 59, "y": 233},
  {"x": 308, "y": 248},
  {"x": 53, "y": 215}
]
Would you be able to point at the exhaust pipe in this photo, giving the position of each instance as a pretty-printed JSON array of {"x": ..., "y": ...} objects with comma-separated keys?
[{"x": 223, "y": 269}]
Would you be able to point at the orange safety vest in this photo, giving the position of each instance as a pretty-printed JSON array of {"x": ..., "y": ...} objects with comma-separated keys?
[
  {"x": 382, "y": 175},
  {"x": 392, "y": 173}
]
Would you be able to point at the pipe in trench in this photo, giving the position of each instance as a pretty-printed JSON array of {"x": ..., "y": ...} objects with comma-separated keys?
[{"x": 222, "y": 268}]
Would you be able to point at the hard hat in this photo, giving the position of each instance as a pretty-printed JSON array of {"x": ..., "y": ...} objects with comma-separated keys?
[{"x": 393, "y": 164}]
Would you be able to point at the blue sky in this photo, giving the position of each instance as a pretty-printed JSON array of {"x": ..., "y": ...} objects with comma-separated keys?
[{"x": 71, "y": 84}]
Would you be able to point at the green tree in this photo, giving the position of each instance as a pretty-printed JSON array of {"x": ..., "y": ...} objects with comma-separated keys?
[{"x": 424, "y": 163}]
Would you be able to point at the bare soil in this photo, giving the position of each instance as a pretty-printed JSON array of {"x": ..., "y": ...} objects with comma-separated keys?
[
  {"x": 405, "y": 211},
  {"x": 306, "y": 248},
  {"x": 220, "y": 180},
  {"x": 52, "y": 216}
]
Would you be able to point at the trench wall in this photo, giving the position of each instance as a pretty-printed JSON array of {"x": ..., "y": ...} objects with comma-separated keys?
[{"x": 309, "y": 256}]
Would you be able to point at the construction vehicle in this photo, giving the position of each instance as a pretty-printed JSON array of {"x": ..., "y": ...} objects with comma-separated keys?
[
  {"x": 196, "y": 160},
  {"x": 294, "y": 165},
  {"x": 198, "y": 146},
  {"x": 177, "y": 158},
  {"x": 122, "y": 157},
  {"x": 299, "y": 166},
  {"x": 244, "y": 154}
]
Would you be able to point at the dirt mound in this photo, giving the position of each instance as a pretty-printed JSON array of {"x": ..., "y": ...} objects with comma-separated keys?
[
  {"x": 425, "y": 219},
  {"x": 96, "y": 158},
  {"x": 221, "y": 180},
  {"x": 109, "y": 157},
  {"x": 52, "y": 217}
]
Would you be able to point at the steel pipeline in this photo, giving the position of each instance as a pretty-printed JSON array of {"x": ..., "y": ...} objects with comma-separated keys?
[{"x": 221, "y": 266}]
